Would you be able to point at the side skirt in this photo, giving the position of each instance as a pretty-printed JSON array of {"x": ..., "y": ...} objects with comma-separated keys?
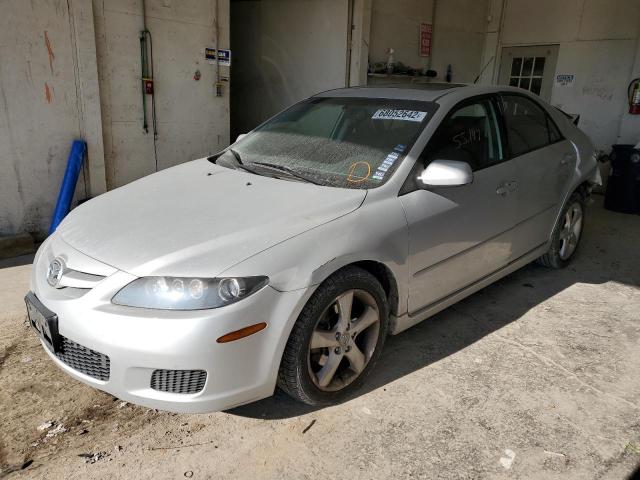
[{"x": 400, "y": 324}]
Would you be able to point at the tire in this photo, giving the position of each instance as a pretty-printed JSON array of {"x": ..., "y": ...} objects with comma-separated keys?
[
  {"x": 306, "y": 367},
  {"x": 566, "y": 239}
]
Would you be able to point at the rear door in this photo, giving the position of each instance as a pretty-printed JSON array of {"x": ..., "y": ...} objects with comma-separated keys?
[
  {"x": 457, "y": 235},
  {"x": 544, "y": 161}
]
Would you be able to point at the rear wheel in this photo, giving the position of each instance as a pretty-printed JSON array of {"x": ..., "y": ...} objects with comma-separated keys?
[
  {"x": 336, "y": 340},
  {"x": 566, "y": 234}
]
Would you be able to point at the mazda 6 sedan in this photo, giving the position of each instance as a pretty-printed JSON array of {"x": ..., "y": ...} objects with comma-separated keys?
[{"x": 286, "y": 259}]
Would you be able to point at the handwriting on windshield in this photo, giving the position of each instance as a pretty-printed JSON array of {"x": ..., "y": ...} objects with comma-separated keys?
[{"x": 359, "y": 172}]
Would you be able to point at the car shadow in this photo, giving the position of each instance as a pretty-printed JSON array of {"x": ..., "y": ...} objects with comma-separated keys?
[{"x": 605, "y": 255}]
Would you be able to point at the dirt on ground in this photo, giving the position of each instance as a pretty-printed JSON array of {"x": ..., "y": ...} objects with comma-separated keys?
[{"x": 536, "y": 376}]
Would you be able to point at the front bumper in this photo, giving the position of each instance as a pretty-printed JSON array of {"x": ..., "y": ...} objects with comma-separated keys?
[{"x": 140, "y": 341}]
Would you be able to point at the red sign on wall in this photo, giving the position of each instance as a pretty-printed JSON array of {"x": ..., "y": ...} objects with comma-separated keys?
[{"x": 426, "y": 32}]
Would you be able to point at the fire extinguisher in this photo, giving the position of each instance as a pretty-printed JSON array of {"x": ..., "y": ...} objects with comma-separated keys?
[{"x": 634, "y": 97}]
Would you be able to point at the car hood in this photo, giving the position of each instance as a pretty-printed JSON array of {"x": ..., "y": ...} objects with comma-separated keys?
[{"x": 199, "y": 219}]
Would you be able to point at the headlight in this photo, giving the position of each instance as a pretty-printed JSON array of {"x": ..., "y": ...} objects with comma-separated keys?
[{"x": 172, "y": 293}]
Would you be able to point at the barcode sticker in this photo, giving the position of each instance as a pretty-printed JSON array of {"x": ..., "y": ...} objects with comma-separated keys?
[{"x": 406, "y": 115}]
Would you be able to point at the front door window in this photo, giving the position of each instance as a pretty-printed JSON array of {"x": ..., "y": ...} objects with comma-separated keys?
[{"x": 469, "y": 134}]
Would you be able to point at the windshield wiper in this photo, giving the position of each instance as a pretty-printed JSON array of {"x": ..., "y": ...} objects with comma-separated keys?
[
  {"x": 290, "y": 171},
  {"x": 240, "y": 163},
  {"x": 236, "y": 156}
]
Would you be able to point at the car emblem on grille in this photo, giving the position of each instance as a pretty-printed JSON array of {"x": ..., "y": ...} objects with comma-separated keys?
[{"x": 54, "y": 272}]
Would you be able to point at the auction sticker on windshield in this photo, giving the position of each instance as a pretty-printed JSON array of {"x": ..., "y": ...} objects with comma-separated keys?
[
  {"x": 385, "y": 166},
  {"x": 407, "y": 115}
]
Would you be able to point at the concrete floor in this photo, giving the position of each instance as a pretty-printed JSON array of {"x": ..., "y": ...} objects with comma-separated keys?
[{"x": 537, "y": 376}]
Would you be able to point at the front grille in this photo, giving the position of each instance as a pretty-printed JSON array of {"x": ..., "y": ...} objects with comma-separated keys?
[
  {"x": 178, "y": 381},
  {"x": 84, "y": 360}
]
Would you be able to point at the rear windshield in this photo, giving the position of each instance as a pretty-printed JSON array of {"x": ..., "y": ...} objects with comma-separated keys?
[{"x": 341, "y": 142}]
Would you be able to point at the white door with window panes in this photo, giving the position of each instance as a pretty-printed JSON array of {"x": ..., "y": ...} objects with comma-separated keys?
[{"x": 530, "y": 68}]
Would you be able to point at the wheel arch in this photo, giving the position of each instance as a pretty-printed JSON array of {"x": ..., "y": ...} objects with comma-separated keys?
[
  {"x": 381, "y": 271},
  {"x": 387, "y": 279},
  {"x": 584, "y": 189}
]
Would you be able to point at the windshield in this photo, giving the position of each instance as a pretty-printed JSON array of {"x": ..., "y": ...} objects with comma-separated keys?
[{"x": 340, "y": 142}]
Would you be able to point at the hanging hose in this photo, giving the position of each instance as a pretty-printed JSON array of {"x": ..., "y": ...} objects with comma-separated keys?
[
  {"x": 153, "y": 96},
  {"x": 147, "y": 82},
  {"x": 143, "y": 76}
]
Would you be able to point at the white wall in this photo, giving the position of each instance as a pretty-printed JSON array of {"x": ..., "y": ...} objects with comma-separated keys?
[
  {"x": 192, "y": 121},
  {"x": 598, "y": 42},
  {"x": 62, "y": 78},
  {"x": 397, "y": 25},
  {"x": 458, "y": 37},
  {"x": 459, "y": 33},
  {"x": 48, "y": 97},
  {"x": 285, "y": 50},
  {"x": 630, "y": 125}
]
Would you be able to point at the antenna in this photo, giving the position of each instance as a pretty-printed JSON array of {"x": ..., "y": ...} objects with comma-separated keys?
[{"x": 483, "y": 69}]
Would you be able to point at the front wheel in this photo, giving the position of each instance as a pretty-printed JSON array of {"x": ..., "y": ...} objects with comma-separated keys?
[
  {"x": 566, "y": 234},
  {"x": 336, "y": 340}
]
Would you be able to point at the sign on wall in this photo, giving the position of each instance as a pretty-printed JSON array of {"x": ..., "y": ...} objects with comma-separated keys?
[
  {"x": 224, "y": 56},
  {"x": 426, "y": 33},
  {"x": 565, "y": 80}
]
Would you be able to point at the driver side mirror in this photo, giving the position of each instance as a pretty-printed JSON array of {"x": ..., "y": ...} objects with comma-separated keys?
[
  {"x": 241, "y": 136},
  {"x": 446, "y": 173}
]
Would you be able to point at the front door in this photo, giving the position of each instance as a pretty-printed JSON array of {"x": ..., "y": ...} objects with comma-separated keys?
[
  {"x": 460, "y": 234},
  {"x": 531, "y": 68}
]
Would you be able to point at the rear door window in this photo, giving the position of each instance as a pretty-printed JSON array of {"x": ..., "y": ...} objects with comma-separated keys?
[{"x": 528, "y": 125}]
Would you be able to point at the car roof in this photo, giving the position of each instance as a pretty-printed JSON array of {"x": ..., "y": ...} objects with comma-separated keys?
[
  {"x": 426, "y": 92},
  {"x": 414, "y": 91}
]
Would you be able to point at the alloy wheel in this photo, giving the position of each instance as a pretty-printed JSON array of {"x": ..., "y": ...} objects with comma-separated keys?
[
  {"x": 344, "y": 340},
  {"x": 571, "y": 230}
]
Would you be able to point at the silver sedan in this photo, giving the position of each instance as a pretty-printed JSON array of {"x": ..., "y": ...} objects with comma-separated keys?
[{"x": 286, "y": 259}]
